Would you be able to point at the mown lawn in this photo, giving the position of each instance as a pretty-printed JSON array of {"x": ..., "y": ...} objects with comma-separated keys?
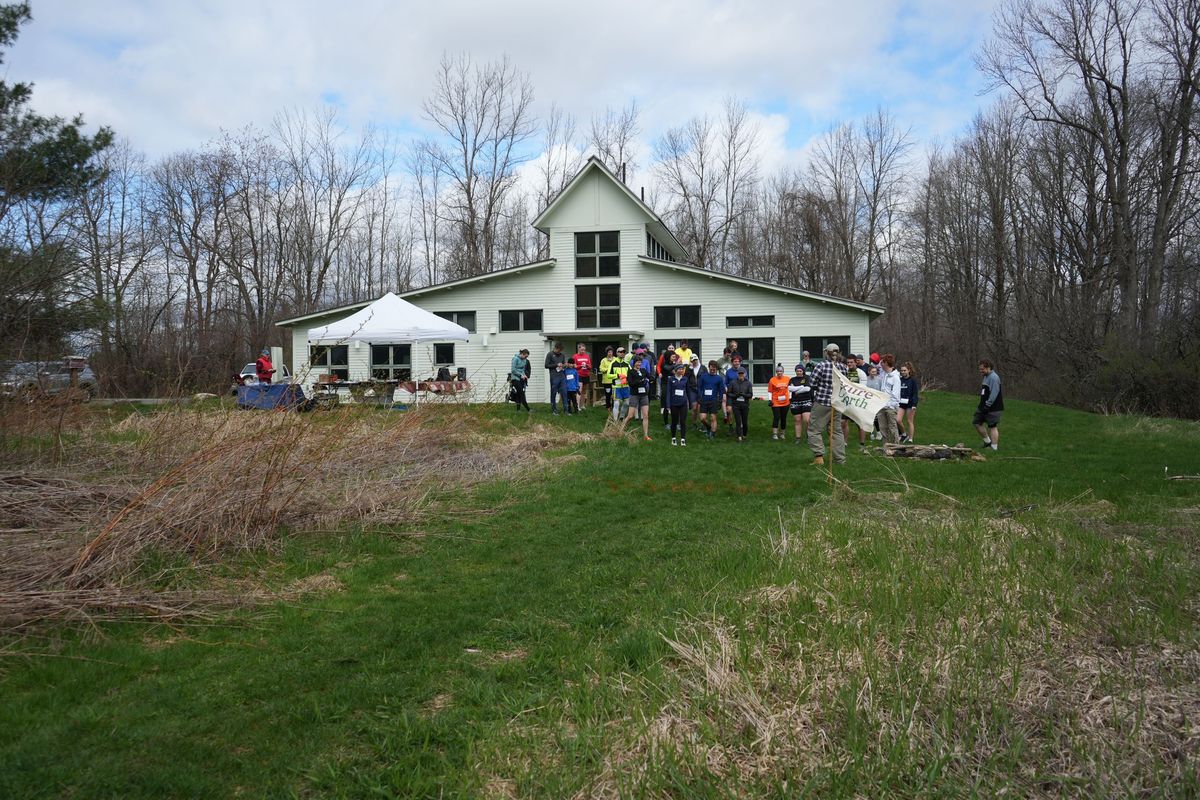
[{"x": 714, "y": 621}]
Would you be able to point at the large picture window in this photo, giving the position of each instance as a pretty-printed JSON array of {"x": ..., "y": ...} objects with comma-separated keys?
[
  {"x": 598, "y": 254},
  {"x": 332, "y": 359},
  {"x": 529, "y": 319},
  {"x": 391, "y": 362},
  {"x": 677, "y": 316},
  {"x": 598, "y": 306},
  {"x": 815, "y": 345},
  {"x": 464, "y": 318},
  {"x": 758, "y": 357}
]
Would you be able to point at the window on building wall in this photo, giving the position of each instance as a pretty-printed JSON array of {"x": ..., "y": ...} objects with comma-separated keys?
[
  {"x": 598, "y": 254},
  {"x": 598, "y": 306},
  {"x": 677, "y": 316},
  {"x": 750, "y": 322},
  {"x": 656, "y": 250},
  {"x": 443, "y": 354},
  {"x": 815, "y": 345},
  {"x": 660, "y": 345},
  {"x": 758, "y": 357},
  {"x": 464, "y": 318},
  {"x": 391, "y": 362},
  {"x": 529, "y": 319},
  {"x": 331, "y": 359}
]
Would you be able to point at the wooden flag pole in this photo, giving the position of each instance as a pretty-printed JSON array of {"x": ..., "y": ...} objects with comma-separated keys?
[{"x": 832, "y": 415}]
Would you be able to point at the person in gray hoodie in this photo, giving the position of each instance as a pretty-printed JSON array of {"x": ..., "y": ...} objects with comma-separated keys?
[
  {"x": 740, "y": 392},
  {"x": 991, "y": 404}
]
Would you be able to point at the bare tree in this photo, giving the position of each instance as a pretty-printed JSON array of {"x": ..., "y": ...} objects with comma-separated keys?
[
  {"x": 707, "y": 170},
  {"x": 115, "y": 235},
  {"x": 614, "y": 136},
  {"x": 483, "y": 113}
]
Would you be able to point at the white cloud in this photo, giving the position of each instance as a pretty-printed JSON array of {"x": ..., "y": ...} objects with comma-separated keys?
[{"x": 169, "y": 76}]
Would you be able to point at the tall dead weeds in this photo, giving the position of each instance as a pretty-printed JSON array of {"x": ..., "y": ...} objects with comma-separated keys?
[{"x": 199, "y": 484}]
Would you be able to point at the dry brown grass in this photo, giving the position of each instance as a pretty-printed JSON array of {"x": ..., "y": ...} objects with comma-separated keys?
[
  {"x": 749, "y": 702},
  {"x": 81, "y": 516}
]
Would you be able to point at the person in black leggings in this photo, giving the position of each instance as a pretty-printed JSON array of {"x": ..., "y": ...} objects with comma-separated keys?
[
  {"x": 739, "y": 393},
  {"x": 678, "y": 397}
]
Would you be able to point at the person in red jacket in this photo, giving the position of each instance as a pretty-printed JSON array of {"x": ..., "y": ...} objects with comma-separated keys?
[
  {"x": 263, "y": 367},
  {"x": 583, "y": 364}
]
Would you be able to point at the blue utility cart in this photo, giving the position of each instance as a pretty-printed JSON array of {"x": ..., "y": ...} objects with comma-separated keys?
[{"x": 287, "y": 396}]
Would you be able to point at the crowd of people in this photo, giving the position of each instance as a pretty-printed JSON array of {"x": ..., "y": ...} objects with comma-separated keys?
[{"x": 703, "y": 397}]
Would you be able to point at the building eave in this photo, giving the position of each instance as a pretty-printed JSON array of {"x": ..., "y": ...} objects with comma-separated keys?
[
  {"x": 751, "y": 282},
  {"x": 484, "y": 278},
  {"x": 343, "y": 310}
]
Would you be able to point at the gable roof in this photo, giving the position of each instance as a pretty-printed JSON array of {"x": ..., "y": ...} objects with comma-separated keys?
[
  {"x": 654, "y": 221},
  {"x": 823, "y": 298},
  {"x": 487, "y": 276},
  {"x": 420, "y": 290},
  {"x": 325, "y": 312}
]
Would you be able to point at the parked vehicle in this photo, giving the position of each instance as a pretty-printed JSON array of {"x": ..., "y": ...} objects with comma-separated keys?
[
  {"x": 249, "y": 377},
  {"x": 28, "y": 380}
]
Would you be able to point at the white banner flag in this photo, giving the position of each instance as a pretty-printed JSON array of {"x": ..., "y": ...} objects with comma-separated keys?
[{"x": 856, "y": 401}]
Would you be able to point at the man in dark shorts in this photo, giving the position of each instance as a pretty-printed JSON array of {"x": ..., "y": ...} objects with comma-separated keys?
[
  {"x": 991, "y": 405},
  {"x": 711, "y": 391}
]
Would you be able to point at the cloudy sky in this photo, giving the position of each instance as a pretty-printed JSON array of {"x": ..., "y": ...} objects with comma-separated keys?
[{"x": 170, "y": 75}]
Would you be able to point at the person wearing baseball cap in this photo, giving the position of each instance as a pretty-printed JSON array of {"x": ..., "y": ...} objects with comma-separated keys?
[{"x": 822, "y": 410}]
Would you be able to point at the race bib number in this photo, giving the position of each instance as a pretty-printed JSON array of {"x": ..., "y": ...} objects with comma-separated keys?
[
  {"x": 641, "y": 390},
  {"x": 780, "y": 398},
  {"x": 708, "y": 392},
  {"x": 679, "y": 392}
]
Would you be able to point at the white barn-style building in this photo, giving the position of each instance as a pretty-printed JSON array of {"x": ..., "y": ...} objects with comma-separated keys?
[{"x": 615, "y": 275}]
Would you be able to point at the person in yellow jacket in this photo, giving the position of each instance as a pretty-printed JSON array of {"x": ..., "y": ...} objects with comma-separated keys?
[
  {"x": 605, "y": 378},
  {"x": 618, "y": 378},
  {"x": 685, "y": 352}
]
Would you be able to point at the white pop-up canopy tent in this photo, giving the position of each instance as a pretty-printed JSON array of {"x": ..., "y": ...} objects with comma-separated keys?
[{"x": 390, "y": 320}]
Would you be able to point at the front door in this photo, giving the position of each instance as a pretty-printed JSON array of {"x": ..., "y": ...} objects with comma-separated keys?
[{"x": 595, "y": 348}]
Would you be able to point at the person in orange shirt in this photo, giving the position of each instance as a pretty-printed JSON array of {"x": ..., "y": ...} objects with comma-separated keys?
[{"x": 778, "y": 389}]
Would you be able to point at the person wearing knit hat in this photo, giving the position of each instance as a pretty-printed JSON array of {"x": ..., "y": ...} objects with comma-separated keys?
[{"x": 263, "y": 368}]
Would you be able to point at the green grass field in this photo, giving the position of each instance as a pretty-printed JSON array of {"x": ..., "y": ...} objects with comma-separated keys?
[{"x": 716, "y": 621}]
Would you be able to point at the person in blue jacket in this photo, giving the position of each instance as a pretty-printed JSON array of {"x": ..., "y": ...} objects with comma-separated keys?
[
  {"x": 571, "y": 384},
  {"x": 731, "y": 375},
  {"x": 677, "y": 396},
  {"x": 710, "y": 387}
]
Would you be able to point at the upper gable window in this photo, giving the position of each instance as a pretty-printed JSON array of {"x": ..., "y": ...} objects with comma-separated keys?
[
  {"x": 598, "y": 254},
  {"x": 656, "y": 250}
]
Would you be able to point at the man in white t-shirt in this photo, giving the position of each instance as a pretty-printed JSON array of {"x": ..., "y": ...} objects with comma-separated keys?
[{"x": 891, "y": 384}]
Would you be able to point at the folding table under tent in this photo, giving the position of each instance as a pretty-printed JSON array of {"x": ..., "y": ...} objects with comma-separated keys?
[{"x": 389, "y": 320}]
